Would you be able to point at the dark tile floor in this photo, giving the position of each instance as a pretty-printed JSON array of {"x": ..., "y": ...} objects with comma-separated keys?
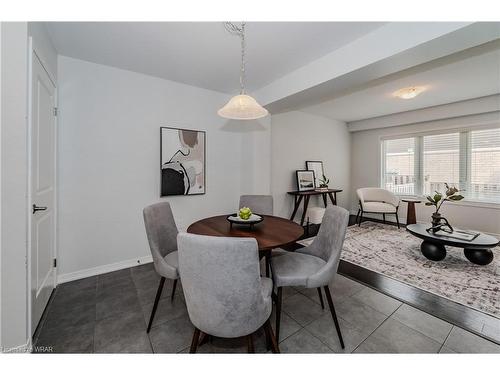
[{"x": 109, "y": 313}]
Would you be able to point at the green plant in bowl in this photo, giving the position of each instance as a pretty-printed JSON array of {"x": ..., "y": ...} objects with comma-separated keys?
[{"x": 245, "y": 213}]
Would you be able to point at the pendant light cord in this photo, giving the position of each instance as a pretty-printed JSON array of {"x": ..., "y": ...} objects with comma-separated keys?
[{"x": 240, "y": 31}]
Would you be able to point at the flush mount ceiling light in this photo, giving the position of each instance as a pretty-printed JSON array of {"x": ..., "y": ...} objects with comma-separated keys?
[
  {"x": 409, "y": 92},
  {"x": 242, "y": 106}
]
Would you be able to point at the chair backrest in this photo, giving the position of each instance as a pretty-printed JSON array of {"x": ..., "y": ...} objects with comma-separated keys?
[
  {"x": 328, "y": 244},
  {"x": 161, "y": 230},
  {"x": 377, "y": 195},
  {"x": 260, "y": 204},
  {"x": 221, "y": 283}
]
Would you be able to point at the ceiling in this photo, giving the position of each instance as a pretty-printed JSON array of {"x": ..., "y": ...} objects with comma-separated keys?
[
  {"x": 204, "y": 54},
  {"x": 469, "y": 74}
]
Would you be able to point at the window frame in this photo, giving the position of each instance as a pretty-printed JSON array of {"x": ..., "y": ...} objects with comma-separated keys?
[{"x": 465, "y": 150}]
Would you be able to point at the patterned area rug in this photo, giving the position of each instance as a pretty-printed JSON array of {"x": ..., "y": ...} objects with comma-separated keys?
[{"x": 396, "y": 254}]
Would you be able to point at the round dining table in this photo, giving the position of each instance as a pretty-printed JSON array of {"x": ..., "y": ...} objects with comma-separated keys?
[{"x": 271, "y": 233}]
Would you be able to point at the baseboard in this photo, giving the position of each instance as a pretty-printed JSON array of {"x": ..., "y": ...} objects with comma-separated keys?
[{"x": 67, "y": 277}]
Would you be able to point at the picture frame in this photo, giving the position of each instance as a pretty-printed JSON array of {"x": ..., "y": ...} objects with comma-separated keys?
[
  {"x": 305, "y": 180},
  {"x": 317, "y": 167},
  {"x": 182, "y": 161}
]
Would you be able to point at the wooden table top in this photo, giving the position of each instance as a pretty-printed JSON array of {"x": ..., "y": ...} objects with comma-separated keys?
[
  {"x": 271, "y": 233},
  {"x": 411, "y": 200},
  {"x": 314, "y": 192}
]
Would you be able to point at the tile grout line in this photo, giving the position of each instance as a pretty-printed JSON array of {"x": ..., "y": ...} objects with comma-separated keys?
[
  {"x": 95, "y": 317},
  {"x": 372, "y": 332},
  {"x": 448, "y": 335}
]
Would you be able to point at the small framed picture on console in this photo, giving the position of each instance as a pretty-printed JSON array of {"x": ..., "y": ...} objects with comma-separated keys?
[{"x": 305, "y": 180}]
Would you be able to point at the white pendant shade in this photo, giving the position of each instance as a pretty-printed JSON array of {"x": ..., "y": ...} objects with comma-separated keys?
[{"x": 242, "y": 107}]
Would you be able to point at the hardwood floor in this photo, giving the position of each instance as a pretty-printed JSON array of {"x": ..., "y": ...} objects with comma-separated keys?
[{"x": 462, "y": 316}]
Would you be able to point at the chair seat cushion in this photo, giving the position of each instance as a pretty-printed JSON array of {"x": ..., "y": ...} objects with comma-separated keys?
[
  {"x": 266, "y": 285},
  {"x": 278, "y": 252},
  {"x": 171, "y": 269},
  {"x": 380, "y": 207},
  {"x": 293, "y": 269},
  {"x": 172, "y": 259}
]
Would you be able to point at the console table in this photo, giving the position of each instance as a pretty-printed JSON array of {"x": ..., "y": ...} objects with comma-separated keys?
[{"x": 306, "y": 195}]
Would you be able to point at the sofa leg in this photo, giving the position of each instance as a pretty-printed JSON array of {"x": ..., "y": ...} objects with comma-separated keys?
[{"x": 383, "y": 218}]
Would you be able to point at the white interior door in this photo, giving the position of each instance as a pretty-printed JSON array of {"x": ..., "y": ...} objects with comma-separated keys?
[{"x": 43, "y": 163}]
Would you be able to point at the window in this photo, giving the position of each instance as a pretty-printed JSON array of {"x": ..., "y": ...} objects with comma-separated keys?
[
  {"x": 399, "y": 169},
  {"x": 441, "y": 159},
  {"x": 485, "y": 165},
  {"x": 420, "y": 165}
]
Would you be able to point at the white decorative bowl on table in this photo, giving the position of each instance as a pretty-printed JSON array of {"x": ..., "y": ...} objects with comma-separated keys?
[{"x": 253, "y": 219}]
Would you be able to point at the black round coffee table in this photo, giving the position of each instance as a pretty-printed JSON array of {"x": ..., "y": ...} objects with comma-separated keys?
[{"x": 476, "y": 251}]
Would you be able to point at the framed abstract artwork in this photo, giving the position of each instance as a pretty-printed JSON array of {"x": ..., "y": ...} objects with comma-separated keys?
[
  {"x": 305, "y": 180},
  {"x": 182, "y": 161}
]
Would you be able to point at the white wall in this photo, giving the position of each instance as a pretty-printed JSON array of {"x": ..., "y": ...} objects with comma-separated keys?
[
  {"x": 109, "y": 127},
  {"x": 14, "y": 173},
  {"x": 366, "y": 159},
  {"x": 297, "y": 137},
  {"x": 14, "y": 184}
]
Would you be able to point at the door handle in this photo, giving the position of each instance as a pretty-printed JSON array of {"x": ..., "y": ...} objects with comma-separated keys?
[{"x": 38, "y": 208}]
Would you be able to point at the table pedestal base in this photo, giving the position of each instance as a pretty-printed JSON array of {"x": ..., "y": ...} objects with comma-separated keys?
[
  {"x": 479, "y": 256},
  {"x": 433, "y": 250}
]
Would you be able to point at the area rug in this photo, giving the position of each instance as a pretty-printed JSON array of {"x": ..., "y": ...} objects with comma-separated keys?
[{"x": 396, "y": 253}]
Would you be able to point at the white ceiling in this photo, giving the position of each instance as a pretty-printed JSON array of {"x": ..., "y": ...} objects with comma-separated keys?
[
  {"x": 203, "y": 54},
  {"x": 470, "y": 74}
]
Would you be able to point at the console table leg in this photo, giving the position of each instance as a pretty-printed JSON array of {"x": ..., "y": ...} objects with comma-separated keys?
[
  {"x": 296, "y": 206},
  {"x": 334, "y": 200},
  {"x": 306, "y": 203},
  {"x": 324, "y": 200}
]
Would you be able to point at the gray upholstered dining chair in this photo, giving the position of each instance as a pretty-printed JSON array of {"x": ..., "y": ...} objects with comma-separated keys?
[
  {"x": 224, "y": 292},
  {"x": 162, "y": 237},
  {"x": 313, "y": 266},
  {"x": 260, "y": 204}
]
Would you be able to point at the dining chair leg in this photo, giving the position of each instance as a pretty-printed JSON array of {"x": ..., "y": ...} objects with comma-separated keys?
[
  {"x": 250, "y": 346},
  {"x": 173, "y": 290},
  {"x": 155, "y": 305},
  {"x": 360, "y": 218},
  {"x": 269, "y": 333},
  {"x": 383, "y": 218},
  {"x": 194, "y": 341},
  {"x": 334, "y": 315},
  {"x": 321, "y": 298},
  {"x": 278, "y": 312},
  {"x": 397, "y": 219}
]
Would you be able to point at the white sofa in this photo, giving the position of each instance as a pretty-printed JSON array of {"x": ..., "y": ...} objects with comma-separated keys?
[{"x": 377, "y": 201}]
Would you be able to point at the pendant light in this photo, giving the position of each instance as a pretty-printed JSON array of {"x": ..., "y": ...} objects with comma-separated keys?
[{"x": 242, "y": 106}]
